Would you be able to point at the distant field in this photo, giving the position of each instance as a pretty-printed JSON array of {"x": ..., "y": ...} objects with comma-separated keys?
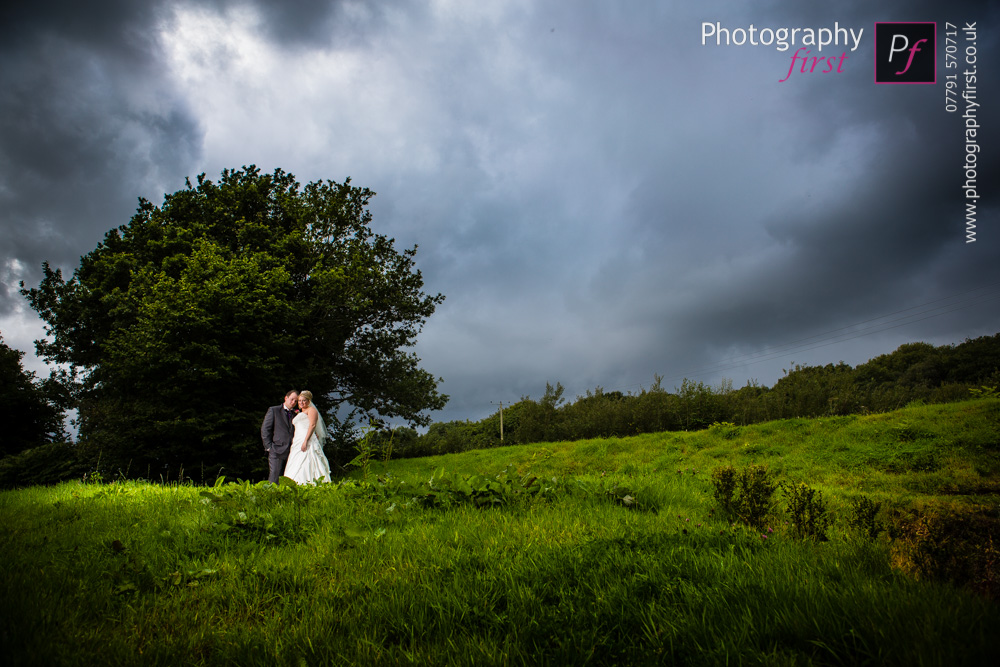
[{"x": 606, "y": 551}]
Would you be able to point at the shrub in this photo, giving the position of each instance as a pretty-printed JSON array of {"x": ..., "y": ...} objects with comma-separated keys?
[
  {"x": 724, "y": 483},
  {"x": 864, "y": 517},
  {"x": 807, "y": 511},
  {"x": 43, "y": 465},
  {"x": 745, "y": 495},
  {"x": 756, "y": 490},
  {"x": 953, "y": 546},
  {"x": 725, "y": 430}
]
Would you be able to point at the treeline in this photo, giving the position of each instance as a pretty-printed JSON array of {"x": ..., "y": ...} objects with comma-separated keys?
[{"x": 914, "y": 372}]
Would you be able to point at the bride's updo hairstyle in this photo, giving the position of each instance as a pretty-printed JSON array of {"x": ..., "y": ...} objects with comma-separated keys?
[{"x": 308, "y": 395}]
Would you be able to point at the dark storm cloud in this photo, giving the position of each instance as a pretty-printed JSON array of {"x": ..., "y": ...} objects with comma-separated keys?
[
  {"x": 89, "y": 122},
  {"x": 758, "y": 213},
  {"x": 322, "y": 23},
  {"x": 600, "y": 197},
  {"x": 86, "y": 126},
  {"x": 880, "y": 230},
  {"x": 892, "y": 235}
]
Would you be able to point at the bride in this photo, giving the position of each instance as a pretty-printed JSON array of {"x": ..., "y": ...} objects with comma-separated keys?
[{"x": 306, "y": 461}]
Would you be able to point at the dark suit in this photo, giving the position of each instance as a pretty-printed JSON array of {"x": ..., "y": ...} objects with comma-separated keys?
[{"x": 276, "y": 432}]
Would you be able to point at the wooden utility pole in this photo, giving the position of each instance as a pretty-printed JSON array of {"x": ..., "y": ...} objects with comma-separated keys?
[{"x": 501, "y": 419}]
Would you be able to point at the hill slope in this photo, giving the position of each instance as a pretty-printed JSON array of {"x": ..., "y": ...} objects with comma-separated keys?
[
  {"x": 947, "y": 453},
  {"x": 394, "y": 570}
]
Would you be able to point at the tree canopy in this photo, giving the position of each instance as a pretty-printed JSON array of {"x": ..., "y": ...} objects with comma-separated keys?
[{"x": 185, "y": 324}]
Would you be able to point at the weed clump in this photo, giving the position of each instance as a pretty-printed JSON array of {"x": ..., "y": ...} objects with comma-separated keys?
[
  {"x": 864, "y": 517},
  {"x": 745, "y": 495},
  {"x": 807, "y": 511},
  {"x": 726, "y": 430}
]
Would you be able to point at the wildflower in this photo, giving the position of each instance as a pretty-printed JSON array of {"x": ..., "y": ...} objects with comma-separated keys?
[
  {"x": 769, "y": 530},
  {"x": 688, "y": 520}
]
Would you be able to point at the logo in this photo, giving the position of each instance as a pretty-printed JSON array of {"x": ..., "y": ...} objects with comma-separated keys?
[{"x": 905, "y": 53}]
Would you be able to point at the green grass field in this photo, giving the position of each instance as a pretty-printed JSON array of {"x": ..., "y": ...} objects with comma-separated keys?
[{"x": 615, "y": 554}]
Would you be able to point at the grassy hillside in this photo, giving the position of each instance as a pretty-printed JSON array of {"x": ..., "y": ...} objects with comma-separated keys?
[
  {"x": 948, "y": 453},
  {"x": 615, "y": 553}
]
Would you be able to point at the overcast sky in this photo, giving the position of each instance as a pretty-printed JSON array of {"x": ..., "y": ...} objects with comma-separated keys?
[{"x": 599, "y": 196}]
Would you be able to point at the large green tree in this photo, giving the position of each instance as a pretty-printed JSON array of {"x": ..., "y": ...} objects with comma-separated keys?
[{"x": 186, "y": 323}]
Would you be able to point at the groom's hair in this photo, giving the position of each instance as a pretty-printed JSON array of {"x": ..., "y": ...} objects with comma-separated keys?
[{"x": 290, "y": 392}]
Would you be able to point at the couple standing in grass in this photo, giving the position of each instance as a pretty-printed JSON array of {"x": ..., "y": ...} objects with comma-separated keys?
[{"x": 293, "y": 435}]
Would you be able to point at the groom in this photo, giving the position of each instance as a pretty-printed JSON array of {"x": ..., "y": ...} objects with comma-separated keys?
[{"x": 276, "y": 432}]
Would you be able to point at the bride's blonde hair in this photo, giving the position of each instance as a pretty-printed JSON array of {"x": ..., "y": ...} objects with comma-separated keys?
[{"x": 308, "y": 395}]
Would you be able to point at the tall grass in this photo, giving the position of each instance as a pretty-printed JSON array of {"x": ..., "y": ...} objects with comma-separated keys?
[{"x": 135, "y": 573}]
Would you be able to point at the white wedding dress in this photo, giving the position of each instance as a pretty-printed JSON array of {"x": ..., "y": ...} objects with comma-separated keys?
[{"x": 310, "y": 466}]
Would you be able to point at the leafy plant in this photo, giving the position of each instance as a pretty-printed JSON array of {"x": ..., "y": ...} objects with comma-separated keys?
[
  {"x": 298, "y": 499},
  {"x": 365, "y": 448},
  {"x": 745, "y": 495},
  {"x": 983, "y": 391},
  {"x": 807, "y": 510},
  {"x": 757, "y": 487},
  {"x": 727, "y": 430},
  {"x": 446, "y": 489},
  {"x": 387, "y": 448},
  {"x": 724, "y": 480},
  {"x": 864, "y": 517},
  {"x": 252, "y": 511}
]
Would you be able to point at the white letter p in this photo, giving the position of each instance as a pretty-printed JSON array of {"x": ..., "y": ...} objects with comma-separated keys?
[{"x": 892, "y": 47}]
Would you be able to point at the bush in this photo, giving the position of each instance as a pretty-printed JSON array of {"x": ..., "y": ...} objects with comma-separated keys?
[
  {"x": 756, "y": 490},
  {"x": 745, "y": 495},
  {"x": 724, "y": 483},
  {"x": 864, "y": 517},
  {"x": 807, "y": 511},
  {"x": 725, "y": 430},
  {"x": 44, "y": 465},
  {"x": 953, "y": 546}
]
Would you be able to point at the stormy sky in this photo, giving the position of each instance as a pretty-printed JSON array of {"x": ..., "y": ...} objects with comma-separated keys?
[{"x": 600, "y": 197}]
